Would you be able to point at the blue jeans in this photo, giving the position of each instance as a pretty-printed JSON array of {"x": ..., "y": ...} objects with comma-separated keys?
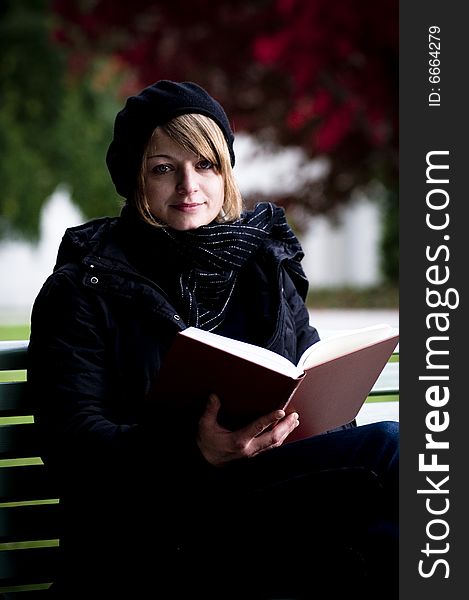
[{"x": 318, "y": 514}]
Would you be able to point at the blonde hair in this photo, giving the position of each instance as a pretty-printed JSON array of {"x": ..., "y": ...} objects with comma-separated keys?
[{"x": 201, "y": 136}]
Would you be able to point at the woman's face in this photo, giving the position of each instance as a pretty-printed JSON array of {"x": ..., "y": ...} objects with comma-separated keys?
[{"x": 183, "y": 190}]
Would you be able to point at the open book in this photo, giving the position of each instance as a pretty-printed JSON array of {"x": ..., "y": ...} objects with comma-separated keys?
[{"x": 327, "y": 387}]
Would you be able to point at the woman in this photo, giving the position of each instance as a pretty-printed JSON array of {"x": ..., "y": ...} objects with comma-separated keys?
[{"x": 153, "y": 501}]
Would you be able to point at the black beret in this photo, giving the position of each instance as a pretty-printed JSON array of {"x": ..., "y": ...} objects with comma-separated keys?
[{"x": 156, "y": 105}]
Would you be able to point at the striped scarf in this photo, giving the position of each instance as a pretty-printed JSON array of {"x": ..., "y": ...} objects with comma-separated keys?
[{"x": 213, "y": 255}]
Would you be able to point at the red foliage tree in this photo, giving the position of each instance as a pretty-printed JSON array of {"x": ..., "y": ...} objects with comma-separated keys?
[{"x": 314, "y": 73}]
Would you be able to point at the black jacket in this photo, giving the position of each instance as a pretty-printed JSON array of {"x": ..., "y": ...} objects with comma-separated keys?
[{"x": 100, "y": 330}]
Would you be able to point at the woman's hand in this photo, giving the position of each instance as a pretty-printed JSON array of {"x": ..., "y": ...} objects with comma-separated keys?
[{"x": 219, "y": 445}]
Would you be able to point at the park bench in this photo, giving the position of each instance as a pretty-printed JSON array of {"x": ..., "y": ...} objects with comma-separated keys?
[
  {"x": 29, "y": 534},
  {"x": 28, "y": 505}
]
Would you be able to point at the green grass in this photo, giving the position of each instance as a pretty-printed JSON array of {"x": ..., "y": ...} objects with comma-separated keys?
[
  {"x": 385, "y": 296},
  {"x": 14, "y": 332}
]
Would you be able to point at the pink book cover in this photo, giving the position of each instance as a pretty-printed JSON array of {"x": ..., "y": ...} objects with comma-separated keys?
[{"x": 332, "y": 393}]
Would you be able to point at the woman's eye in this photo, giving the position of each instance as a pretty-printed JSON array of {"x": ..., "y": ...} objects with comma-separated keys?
[
  {"x": 160, "y": 169},
  {"x": 205, "y": 164}
]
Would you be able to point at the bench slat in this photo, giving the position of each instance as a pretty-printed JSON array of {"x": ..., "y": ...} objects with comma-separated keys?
[
  {"x": 33, "y": 565},
  {"x": 18, "y": 484},
  {"x": 18, "y": 441},
  {"x": 13, "y": 592},
  {"x": 29, "y": 522},
  {"x": 13, "y": 398},
  {"x": 13, "y": 355}
]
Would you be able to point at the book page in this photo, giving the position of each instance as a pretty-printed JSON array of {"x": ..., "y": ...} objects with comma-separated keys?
[
  {"x": 343, "y": 343},
  {"x": 256, "y": 354}
]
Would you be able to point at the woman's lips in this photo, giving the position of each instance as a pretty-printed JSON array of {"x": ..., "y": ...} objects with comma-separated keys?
[{"x": 187, "y": 206}]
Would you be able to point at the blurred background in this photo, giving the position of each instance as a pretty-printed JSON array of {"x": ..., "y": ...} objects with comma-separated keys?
[{"x": 311, "y": 89}]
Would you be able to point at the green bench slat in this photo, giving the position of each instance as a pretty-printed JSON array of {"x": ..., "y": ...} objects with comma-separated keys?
[
  {"x": 33, "y": 565},
  {"x": 29, "y": 522},
  {"x": 13, "y": 399},
  {"x": 18, "y": 484},
  {"x": 13, "y": 355},
  {"x": 18, "y": 591},
  {"x": 18, "y": 441}
]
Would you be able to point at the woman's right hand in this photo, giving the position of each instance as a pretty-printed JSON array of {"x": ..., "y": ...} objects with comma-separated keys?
[{"x": 220, "y": 445}]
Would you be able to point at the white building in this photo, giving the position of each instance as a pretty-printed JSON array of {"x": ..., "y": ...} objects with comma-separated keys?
[{"x": 343, "y": 250}]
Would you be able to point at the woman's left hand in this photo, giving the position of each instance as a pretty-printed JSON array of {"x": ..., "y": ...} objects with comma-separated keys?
[{"x": 219, "y": 445}]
